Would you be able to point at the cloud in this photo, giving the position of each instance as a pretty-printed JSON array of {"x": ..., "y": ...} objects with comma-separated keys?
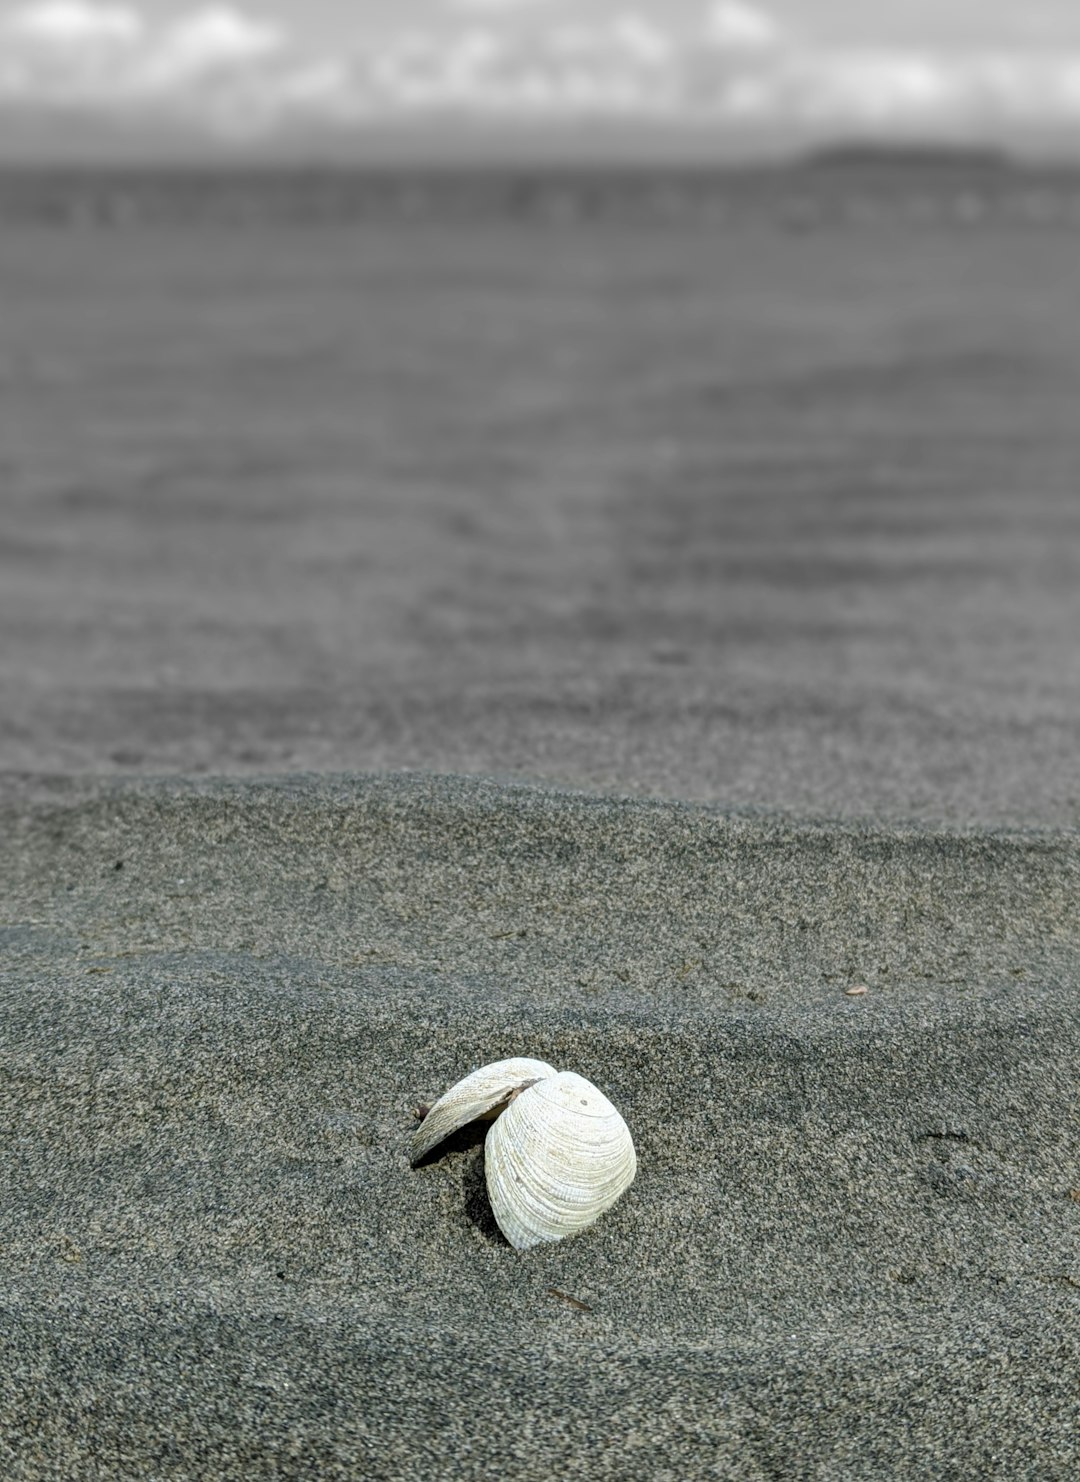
[
  {"x": 238, "y": 70},
  {"x": 67, "y": 23},
  {"x": 737, "y": 26},
  {"x": 65, "y": 49},
  {"x": 419, "y": 70},
  {"x": 210, "y": 42},
  {"x": 876, "y": 87},
  {"x": 622, "y": 64},
  {"x": 496, "y": 7},
  {"x": 630, "y": 37},
  {"x": 77, "y": 52},
  {"x": 906, "y": 89}
]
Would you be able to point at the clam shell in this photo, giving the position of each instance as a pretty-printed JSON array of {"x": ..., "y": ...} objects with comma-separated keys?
[
  {"x": 558, "y": 1156},
  {"x": 483, "y": 1093}
]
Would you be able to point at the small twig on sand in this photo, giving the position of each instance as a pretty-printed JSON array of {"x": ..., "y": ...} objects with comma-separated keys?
[{"x": 570, "y": 1301}]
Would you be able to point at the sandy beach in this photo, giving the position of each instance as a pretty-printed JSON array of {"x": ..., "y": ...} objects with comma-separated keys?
[
  {"x": 733, "y": 517},
  {"x": 426, "y": 643},
  {"x": 851, "y": 1247}
]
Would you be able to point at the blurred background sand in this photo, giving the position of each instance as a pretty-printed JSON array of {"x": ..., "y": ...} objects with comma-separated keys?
[
  {"x": 729, "y": 539},
  {"x": 753, "y": 490}
]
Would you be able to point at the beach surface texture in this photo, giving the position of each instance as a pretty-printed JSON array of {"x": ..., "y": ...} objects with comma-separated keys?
[
  {"x": 851, "y": 1248},
  {"x": 637, "y": 631}
]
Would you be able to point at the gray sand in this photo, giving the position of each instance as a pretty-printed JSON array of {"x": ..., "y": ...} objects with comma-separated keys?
[
  {"x": 765, "y": 520},
  {"x": 791, "y": 526},
  {"x": 852, "y": 1247}
]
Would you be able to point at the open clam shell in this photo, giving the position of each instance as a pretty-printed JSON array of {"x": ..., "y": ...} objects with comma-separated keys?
[
  {"x": 556, "y": 1159},
  {"x": 482, "y": 1094}
]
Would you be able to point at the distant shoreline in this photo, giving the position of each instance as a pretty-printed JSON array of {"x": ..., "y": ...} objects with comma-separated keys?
[
  {"x": 798, "y": 192},
  {"x": 851, "y": 156}
]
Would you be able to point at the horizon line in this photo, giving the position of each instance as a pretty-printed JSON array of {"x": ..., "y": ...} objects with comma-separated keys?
[{"x": 853, "y": 153}]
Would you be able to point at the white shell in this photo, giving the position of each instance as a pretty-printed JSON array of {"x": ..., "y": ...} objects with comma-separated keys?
[
  {"x": 481, "y": 1094},
  {"x": 557, "y": 1157}
]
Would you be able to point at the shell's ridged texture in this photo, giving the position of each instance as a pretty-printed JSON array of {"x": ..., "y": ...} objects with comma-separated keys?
[
  {"x": 558, "y": 1156},
  {"x": 481, "y": 1094}
]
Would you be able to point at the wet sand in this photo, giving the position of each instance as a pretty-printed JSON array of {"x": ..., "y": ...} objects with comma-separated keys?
[{"x": 851, "y": 1249}]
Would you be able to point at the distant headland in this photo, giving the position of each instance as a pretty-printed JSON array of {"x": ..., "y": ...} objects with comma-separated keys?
[{"x": 875, "y": 155}]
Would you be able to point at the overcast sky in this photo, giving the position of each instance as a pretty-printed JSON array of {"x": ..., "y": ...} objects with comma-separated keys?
[{"x": 355, "y": 67}]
